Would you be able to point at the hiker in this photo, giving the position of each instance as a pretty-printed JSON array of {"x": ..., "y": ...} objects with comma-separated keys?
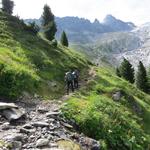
[
  {"x": 69, "y": 81},
  {"x": 76, "y": 78}
]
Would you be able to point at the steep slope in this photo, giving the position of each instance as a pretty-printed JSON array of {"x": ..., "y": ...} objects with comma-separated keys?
[
  {"x": 110, "y": 46},
  {"x": 111, "y": 110},
  {"x": 31, "y": 64},
  {"x": 141, "y": 53}
]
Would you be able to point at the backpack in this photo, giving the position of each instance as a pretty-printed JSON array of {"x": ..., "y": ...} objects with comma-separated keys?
[
  {"x": 75, "y": 74},
  {"x": 69, "y": 76}
]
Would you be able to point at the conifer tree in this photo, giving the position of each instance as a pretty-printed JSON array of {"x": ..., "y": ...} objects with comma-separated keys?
[
  {"x": 64, "y": 39},
  {"x": 148, "y": 77},
  {"x": 7, "y": 6},
  {"x": 118, "y": 72},
  {"x": 127, "y": 71},
  {"x": 141, "y": 78},
  {"x": 48, "y": 23}
]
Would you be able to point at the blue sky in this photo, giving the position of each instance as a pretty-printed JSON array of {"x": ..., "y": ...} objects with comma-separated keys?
[{"x": 137, "y": 11}]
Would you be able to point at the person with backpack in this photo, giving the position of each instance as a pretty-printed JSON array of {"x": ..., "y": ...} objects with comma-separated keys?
[
  {"x": 76, "y": 78},
  {"x": 69, "y": 81}
]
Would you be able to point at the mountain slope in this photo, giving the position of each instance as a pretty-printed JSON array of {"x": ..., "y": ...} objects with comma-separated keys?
[
  {"x": 31, "y": 64},
  {"x": 82, "y": 31},
  {"x": 112, "y": 111},
  {"x": 141, "y": 53}
]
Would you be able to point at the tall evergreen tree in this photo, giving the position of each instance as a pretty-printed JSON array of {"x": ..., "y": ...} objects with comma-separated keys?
[
  {"x": 48, "y": 23},
  {"x": 118, "y": 72},
  {"x": 127, "y": 71},
  {"x": 141, "y": 78},
  {"x": 7, "y": 6},
  {"x": 148, "y": 77},
  {"x": 64, "y": 39}
]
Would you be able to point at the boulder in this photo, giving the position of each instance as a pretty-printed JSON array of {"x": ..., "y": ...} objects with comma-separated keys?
[
  {"x": 7, "y": 105},
  {"x": 117, "y": 96},
  {"x": 12, "y": 113},
  {"x": 42, "y": 143},
  {"x": 90, "y": 143},
  {"x": 52, "y": 84}
]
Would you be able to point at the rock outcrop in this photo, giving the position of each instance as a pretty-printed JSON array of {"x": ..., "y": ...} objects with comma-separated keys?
[{"x": 41, "y": 129}]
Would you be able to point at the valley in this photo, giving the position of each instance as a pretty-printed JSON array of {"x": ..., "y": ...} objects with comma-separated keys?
[{"x": 106, "y": 112}]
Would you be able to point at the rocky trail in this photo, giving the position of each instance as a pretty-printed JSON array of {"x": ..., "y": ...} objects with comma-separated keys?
[{"x": 36, "y": 124}]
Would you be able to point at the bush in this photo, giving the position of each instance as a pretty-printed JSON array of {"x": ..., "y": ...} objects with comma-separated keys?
[{"x": 12, "y": 84}]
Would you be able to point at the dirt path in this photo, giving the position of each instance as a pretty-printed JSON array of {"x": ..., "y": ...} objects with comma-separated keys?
[{"x": 44, "y": 122}]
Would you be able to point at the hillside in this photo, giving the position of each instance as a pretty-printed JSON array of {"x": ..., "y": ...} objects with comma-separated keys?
[
  {"x": 112, "y": 111},
  {"x": 141, "y": 53},
  {"x": 30, "y": 64}
]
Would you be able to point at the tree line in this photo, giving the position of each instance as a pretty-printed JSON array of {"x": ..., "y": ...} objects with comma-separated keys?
[
  {"x": 49, "y": 26},
  {"x": 140, "y": 78}
]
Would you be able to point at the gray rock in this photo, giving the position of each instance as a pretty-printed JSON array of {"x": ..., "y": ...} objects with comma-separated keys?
[
  {"x": 40, "y": 124},
  {"x": 26, "y": 131},
  {"x": 6, "y": 126},
  {"x": 52, "y": 83},
  {"x": 28, "y": 126},
  {"x": 117, "y": 96},
  {"x": 51, "y": 114},
  {"x": 53, "y": 145},
  {"x": 42, "y": 143},
  {"x": 95, "y": 145},
  {"x": 12, "y": 114},
  {"x": 7, "y": 105},
  {"x": 14, "y": 137},
  {"x": 67, "y": 125}
]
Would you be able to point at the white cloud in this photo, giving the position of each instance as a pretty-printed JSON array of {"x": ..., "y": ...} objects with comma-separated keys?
[{"x": 129, "y": 10}]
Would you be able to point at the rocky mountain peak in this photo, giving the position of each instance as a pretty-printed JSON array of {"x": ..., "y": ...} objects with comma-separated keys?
[
  {"x": 96, "y": 21},
  {"x": 109, "y": 18}
]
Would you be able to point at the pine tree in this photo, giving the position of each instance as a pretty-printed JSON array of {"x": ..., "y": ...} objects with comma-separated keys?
[
  {"x": 127, "y": 71},
  {"x": 148, "y": 77},
  {"x": 48, "y": 23},
  {"x": 7, "y": 6},
  {"x": 118, "y": 72},
  {"x": 64, "y": 39},
  {"x": 50, "y": 30},
  {"x": 141, "y": 78}
]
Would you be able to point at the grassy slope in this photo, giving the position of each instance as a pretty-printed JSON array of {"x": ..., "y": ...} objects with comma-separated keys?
[
  {"x": 118, "y": 125},
  {"x": 29, "y": 63}
]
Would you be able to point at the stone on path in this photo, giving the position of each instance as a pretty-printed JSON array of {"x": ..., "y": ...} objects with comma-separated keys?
[
  {"x": 12, "y": 114},
  {"x": 7, "y": 105},
  {"x": 50, "y": 114},
  {"x": 40, "y": 124},
  {"x": 42, "y": 143}
]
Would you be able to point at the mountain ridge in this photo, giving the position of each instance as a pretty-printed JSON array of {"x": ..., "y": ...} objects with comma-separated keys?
[{"x": 81, "y": 30}]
